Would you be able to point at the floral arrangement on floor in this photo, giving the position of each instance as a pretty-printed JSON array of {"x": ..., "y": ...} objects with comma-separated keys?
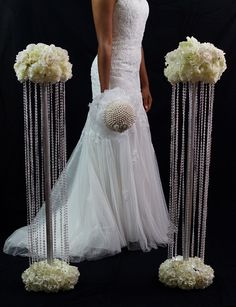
[
  {"x": 48, "y": 67},
  {"x": 192, "y": 69},
  {"x": 186, "y": 274},
  {"x": 59, "y": 275},
  {"x": 41, "y": 63},
  {"x": 193, "y": 61}
]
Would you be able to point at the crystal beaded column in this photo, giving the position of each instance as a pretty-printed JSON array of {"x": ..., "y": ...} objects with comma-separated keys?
[
  {"x": 190, "y": 149},
  {"x": 43, "y": 81}
]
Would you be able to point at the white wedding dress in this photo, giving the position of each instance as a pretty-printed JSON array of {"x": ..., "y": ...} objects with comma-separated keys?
[{"x": 115, "y": 192}]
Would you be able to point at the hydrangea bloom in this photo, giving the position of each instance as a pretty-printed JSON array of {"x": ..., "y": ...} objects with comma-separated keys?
[
  {"x": 186, "y": 274},
  {"x": 41, "y": 63},
  {"x": 41, "y": 276},
  {"x": 193, "y": 62}
]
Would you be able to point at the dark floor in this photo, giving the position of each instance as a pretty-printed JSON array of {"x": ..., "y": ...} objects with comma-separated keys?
[{"x": 131, "y": 278}]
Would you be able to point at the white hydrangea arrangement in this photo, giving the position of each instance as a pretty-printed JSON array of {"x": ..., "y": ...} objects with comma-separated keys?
[
  {"x": 59, "y": 275},
  {"x": 48, "y": 67},
  {"x": 41, "y": 63},
  {"x": 186, "y": 274},
  {"x": 193, "y": 62}
]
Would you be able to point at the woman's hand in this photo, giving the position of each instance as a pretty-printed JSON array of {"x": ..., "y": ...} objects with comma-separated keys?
[
  {"x": 144, "y": 83},
  {"x": 147, "y": 98}
]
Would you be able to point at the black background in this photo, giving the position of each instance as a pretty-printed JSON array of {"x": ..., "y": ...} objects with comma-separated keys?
[{"x": 69, "y": 24}]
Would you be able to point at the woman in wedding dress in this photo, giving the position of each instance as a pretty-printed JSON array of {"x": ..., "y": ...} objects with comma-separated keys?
[{"x": 115, "y": 194}]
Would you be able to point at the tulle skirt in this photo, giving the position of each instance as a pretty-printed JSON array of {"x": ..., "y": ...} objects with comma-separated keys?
[{"x": 115, "y": 195}]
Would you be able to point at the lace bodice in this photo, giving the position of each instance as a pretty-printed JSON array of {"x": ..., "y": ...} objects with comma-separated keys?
[
  {"x": 129, "y": 21},
  {"x": 128, "y": 28}
]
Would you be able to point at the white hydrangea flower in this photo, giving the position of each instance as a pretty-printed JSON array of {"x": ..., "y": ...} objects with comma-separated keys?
[
  {"x": 186, "y": 275},
  {"x": 193, "y": 62},
  {"x": 41, "y": 276},
  {"x": 41, "y": 63}
]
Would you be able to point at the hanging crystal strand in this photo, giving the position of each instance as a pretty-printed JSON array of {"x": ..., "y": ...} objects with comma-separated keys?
[
  {"x": 60, "y": 168},
  {"x": 30, "y": 126},
  {"x": 64, "y": 146},
  {"x": 32, "y": 160},
  {"x": 27, "y": 167},
  {"x": 180, "y": 201},
  {"x": 182, "y": 165},
  {"x": 202, "y": 163},
  {"x": 171, "y": 204},
  {"x": 55, "y": 170},
  {"x": 176, "y": 183},
  {"x": 43, "y": 224},
  {"x": 46, "y": 146},
  {"x": 199, "y": 161},
  {"x": 208, "y": 160},
  {"x": 195, "y": 169},
  {"x": 37, "y": 175},
  {"x": 57, "y": 201},
  {"x": 57, "y": 128},
  {"x": 62, "y": 173},
  {"x": 50, "y": 139},
  {"x": 199, "y": 149},
  {"x": 189, "y": 179},
  {"x": 52, "y": 155},
  {"x": 60, "y": 191},
  {"x": 30, "y": 179},
  {"x": 53, "y": 162},
  {"x": 52, "y": 158},
  {"x": 50, "y": 99},
  {"x": 185, "y": 204}
]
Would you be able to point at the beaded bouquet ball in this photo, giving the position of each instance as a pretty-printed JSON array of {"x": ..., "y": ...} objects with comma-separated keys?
[{"x": 119, "y": 116}]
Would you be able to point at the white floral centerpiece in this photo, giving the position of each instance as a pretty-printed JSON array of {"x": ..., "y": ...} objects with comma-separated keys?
[
  {"x": 41, "y": 63},
  {"x": 194, "y": 62},
  {"x": 192, "y": 69},
  {"x": 59, "y": 275},
  {"x": 186, "y": 275},
  {"x": 48, "y": 68}
]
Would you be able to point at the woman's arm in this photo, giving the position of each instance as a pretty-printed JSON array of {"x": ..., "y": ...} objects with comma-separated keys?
[
  {"x": 102, "y": 14},
  {"x": 147, "y": 97}
]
